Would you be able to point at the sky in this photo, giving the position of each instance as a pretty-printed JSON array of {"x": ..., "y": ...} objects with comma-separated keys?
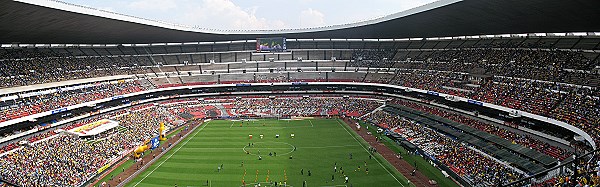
[{"x": 255, "y": 14}]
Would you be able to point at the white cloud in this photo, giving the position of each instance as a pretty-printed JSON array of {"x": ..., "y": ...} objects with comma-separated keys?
[
  {"x": 266, "y": 14},
  {"x": 154, "y": 5},
  {"x": 311, "y": 18},
  {"x": 224, "y": 14}
]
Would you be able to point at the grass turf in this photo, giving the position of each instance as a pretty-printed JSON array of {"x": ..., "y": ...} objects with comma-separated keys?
[
  {"x": 319, "y": 144},
  {"x": 129, "y": 163}
]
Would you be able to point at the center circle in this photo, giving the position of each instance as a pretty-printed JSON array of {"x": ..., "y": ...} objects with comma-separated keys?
[{"x": 264, "y": 148}]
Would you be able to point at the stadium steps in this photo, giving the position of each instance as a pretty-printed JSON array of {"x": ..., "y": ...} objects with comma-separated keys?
[
  {"x": 558, "y": 103},
  {"x": 222, "y": 109},
  {"x": 377, "y": 109},
  {"x": 365, "y": 77},
  {"x": 147, "y": 84},
  {"x": 594, "y": 82},
  {"x": 186, "y": 115}
]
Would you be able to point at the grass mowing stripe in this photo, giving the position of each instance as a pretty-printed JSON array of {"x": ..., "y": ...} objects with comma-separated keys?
[
  {"x": 186, "y": 141},
  {"x": 386, "y": 169},
  {"x": 318, "y": 150}
]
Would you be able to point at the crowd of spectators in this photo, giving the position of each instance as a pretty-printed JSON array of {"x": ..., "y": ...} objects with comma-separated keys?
[
  {"x": 523, "y": 79},
  {"x": 49, "y": 162},
  {"x": 516, "y": 138},
  {"x": 441, "y": 73},
  {"x": 189, "y": 108},
  {"x": 145, "y": 123},
  {"x": 85, "y": 121},
  {"x": 13, "y": 131},
  {"x": 71, "y": 125},
  {"x": 473, "y": 166},
  {"x": 61, "y": 161},
  {"x": 20, "y": 68},
  {"x": 8, "y": 147},
  {"x": 41, "y": 136},
  {"x": 298, "y": 106},
  {"x": 438, "y": 81},
  {"x": 547, "y": 65},
  {"x": 575, "y": 105},
  {"x": 24, "y": 106},
  {"x": 586, "y": 174},
  {"x": 67, "y": 160},
  {"x": 382, "y": 58}
]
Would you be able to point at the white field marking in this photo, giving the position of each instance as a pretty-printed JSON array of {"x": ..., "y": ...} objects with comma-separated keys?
[
  {"x": 283, "y": 127},
  {"x": 292, "y": 147},
  {"x": 231, "y": 124},
  {"x": 184, "y": 143},
  {"x": 370, "y": 153},
  {"x": 333, "y": 146},
  {"x": 235, "y": 148},
  {"x": 264, "y": 184},
  {"x": 311, "y": 125}
]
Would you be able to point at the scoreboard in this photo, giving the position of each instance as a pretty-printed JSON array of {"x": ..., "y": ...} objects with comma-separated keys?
[{"x": 270, "y": 44}]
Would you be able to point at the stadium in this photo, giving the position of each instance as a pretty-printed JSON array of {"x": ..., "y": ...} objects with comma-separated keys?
[{"x": 451, "y": 93}]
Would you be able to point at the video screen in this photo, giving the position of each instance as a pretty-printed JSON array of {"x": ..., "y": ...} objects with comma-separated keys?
[{"x": 270, "y": 44}]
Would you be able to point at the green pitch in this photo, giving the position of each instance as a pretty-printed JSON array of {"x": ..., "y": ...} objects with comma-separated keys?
[{"x": 318, "y": 146}]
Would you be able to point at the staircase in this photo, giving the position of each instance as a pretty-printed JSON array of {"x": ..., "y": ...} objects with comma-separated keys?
[
  {"x": 377, "y": 109},
  {"x": 146, "y": 84}
]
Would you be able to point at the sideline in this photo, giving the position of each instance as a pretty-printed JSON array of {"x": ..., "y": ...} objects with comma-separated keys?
[
  {"x": 293, "y": 148},
  {"x": 123, "y": 160},
  {"x": 135, "y": 174},
  {"x": 185, "y": 143},
  {"x": 386, "y": 169}
]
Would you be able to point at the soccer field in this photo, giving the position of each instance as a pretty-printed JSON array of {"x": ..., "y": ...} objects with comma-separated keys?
[{"x": 319, "y": 145}]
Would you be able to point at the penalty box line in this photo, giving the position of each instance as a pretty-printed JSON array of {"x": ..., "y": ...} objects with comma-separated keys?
[{"x": 309, "y": 121}]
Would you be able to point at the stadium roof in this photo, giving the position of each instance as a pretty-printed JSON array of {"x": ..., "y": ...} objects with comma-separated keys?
[{"x": 33, "y": 21}]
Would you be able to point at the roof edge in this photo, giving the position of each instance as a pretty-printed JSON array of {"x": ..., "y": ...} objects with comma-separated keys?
[{"x": 69, "y": 7}]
